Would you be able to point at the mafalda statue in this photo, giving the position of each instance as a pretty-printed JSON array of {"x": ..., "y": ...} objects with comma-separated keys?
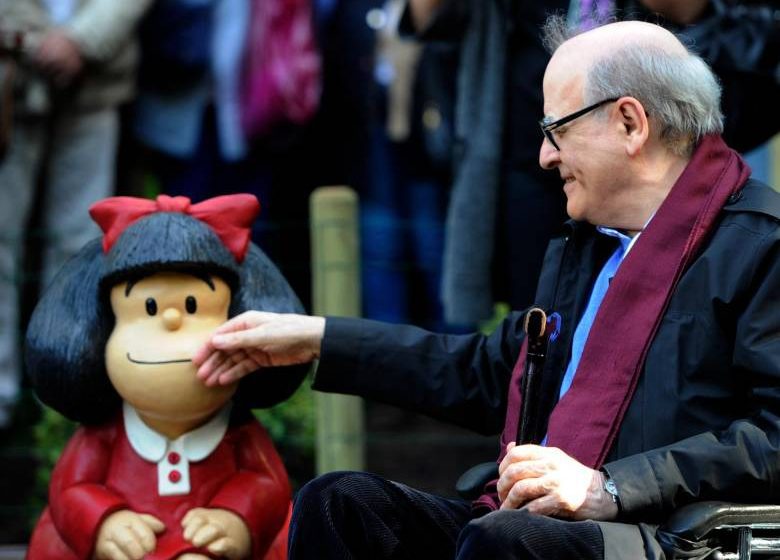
[{"x": 163, "y": 466}]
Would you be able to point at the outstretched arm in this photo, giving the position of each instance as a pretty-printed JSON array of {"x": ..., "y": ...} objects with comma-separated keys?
[{"x": 258, "y": 339}]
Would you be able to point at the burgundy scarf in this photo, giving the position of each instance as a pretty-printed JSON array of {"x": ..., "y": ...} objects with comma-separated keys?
[{"x": 608, "y": 373}]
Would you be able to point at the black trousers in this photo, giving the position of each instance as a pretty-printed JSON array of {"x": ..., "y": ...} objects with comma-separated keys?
[{"x": 363, "y": 516}]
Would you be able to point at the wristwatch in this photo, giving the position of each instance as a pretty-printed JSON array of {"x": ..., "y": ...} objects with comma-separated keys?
[{"x": 611, "y": 488}]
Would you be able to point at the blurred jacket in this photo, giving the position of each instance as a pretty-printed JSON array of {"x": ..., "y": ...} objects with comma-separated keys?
[{"x": 169, "y": 112}]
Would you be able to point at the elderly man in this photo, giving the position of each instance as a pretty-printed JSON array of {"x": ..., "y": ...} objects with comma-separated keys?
[{"x": 661, "y": 386}]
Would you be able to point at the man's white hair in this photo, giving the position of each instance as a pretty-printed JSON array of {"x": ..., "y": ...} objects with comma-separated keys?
[{"x": 678, "y": 91}]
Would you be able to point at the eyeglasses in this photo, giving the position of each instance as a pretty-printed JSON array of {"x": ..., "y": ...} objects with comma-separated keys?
[{"x": 549, "y": 127}]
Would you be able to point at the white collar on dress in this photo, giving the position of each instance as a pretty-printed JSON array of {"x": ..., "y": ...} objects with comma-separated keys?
[{"x": 197, "y": 444}]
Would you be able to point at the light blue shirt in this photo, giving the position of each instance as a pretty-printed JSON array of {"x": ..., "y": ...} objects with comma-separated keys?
[{"x": 608, "y": 272}]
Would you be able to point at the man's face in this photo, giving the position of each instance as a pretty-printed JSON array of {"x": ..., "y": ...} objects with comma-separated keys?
[
  {"x": 160, "y": 322},
  {"x": 590, "y": 161}
]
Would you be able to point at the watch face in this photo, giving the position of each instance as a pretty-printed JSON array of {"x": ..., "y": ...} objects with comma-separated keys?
[{"x": 610, "y": 487}]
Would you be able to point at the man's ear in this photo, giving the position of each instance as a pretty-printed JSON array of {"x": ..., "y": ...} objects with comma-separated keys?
[{"x": 633, "y": 124}]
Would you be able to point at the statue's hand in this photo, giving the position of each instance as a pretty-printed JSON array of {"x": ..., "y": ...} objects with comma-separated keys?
[
  {"x": 220, "y": 531},
  {"x": 126, "y": 534}
]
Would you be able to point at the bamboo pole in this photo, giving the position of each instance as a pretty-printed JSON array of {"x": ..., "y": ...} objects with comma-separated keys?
[{"x": 340, "y": 441}]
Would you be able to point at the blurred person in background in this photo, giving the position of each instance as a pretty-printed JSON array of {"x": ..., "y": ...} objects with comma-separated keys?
[
  {"x": 195, "y": 96},
  {"x": 499, "y": 195},
  {"x": 404, "y": 181},
  {"x": 188, "y": 109},
  {"x": 211, "y": 116},
  {"x": 78, "y": 66}
]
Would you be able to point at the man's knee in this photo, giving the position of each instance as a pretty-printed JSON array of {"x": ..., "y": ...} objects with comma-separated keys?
[
  {"x": 336, "y": 490},
  {"x": 483, "y": 537},
  {"x": 331, "y": 514},
  {"x": 517, "y": 534}
]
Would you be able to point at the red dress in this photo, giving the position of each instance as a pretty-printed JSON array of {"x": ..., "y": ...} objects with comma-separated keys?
[{"x": 100, "y": 473}]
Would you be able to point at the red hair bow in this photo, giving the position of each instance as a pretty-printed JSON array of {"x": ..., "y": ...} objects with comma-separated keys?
[{"x": 230, "y": 216}]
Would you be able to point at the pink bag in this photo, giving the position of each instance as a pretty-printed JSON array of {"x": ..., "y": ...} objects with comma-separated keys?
[{"x": 281, "y": 81}]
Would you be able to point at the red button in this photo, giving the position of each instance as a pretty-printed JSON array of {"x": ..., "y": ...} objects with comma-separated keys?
[
  {"x": 174, "y": 476},
  {"x": 174, "y": 458}
]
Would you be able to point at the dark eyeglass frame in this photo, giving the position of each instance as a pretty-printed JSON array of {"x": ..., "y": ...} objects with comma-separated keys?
[{"x": 549, "y": 127}]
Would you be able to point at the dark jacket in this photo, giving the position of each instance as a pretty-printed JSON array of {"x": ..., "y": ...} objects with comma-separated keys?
[{"x": 705, "y": 419}]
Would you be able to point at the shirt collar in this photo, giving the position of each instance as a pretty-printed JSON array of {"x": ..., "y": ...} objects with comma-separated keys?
[
  {"x": 626, "y": 241},
  {"x": 197, "y": 444}
]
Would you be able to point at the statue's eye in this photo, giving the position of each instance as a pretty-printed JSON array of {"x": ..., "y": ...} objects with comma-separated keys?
[
  {"x": 151, "y": 307},
  {"x": 191, "y": 304}
]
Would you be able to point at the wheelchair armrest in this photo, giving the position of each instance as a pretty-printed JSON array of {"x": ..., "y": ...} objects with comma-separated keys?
[
  {"x": 694, "y": 521},
  {"x": 471, "y": 482}
]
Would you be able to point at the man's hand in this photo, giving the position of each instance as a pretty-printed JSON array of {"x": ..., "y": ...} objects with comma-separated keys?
[
  {"x": 546, "y": 481},
  {"x": 257, "y": 339},
  {"x": 220, "y": 531},
  {"x": 59, "y": 57},
  {"x": 126, "y": 535}
]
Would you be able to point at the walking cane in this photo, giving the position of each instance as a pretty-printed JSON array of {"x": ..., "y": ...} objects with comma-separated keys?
[
  {"x": 535, "y": 326},
  {"x": 537, "y": 332}
]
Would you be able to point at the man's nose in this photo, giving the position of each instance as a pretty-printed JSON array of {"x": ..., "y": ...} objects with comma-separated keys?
[
  {"x": 171, "y": 318},
  {"x": 549, "y": 157}
]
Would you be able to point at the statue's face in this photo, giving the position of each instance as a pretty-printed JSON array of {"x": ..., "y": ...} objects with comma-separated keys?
[{"x": 161, "y": 320}]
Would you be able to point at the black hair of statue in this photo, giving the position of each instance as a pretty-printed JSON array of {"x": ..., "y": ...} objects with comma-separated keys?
[
  {"x": 168, "y": 241},
  {"x": 66, "y": 340},
  {"x": 69, "y": 328},
  {"x": 207, "y": 279}
]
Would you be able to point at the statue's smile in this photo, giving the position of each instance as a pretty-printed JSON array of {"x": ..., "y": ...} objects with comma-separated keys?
[{"x": 157, "y": 363}]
